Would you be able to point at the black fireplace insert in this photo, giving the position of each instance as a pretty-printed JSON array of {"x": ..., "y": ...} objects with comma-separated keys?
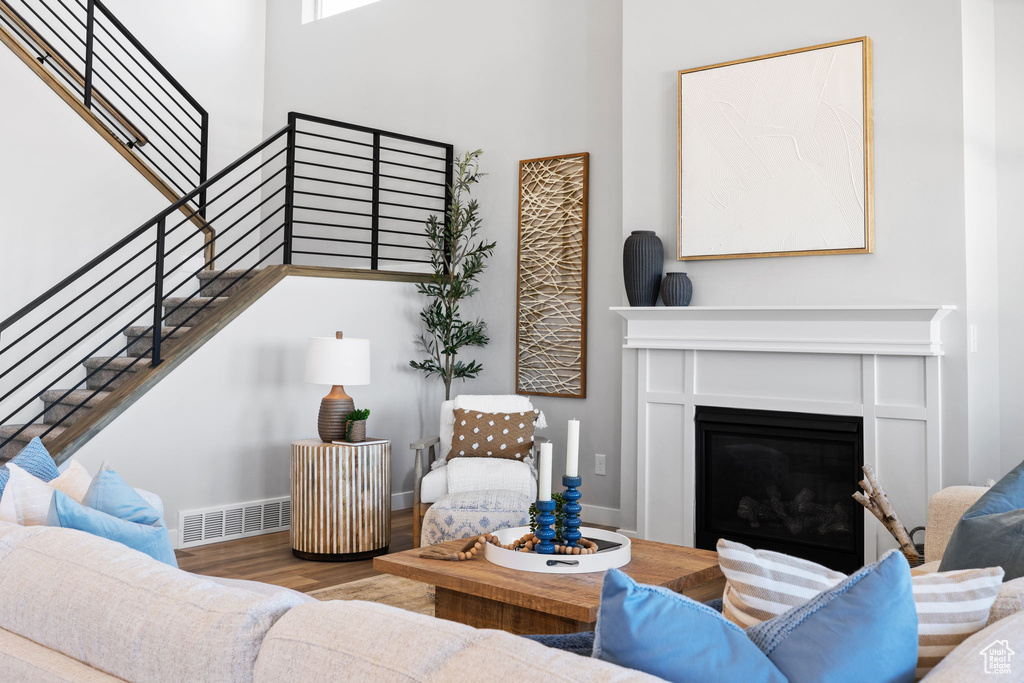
[{"x": 781, "y": 481}]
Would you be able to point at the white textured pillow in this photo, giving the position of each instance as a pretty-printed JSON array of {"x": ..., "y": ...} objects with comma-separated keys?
[
  {"x": 490, "y": 474},
  {"x": 26, "y": 498},
  {"x": 74, "y": 481}
]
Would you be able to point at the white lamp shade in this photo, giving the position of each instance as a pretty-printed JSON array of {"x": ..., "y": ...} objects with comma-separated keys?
[{"x": 338, "y": 361}]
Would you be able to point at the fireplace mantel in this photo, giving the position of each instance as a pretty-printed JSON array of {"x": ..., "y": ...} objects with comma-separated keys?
[
  {"x": 874, "y": 330},
  {"x": 881, "y": 363}
]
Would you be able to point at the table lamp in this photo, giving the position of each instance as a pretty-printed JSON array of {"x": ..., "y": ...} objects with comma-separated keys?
[{"x": 336, "y": 362}]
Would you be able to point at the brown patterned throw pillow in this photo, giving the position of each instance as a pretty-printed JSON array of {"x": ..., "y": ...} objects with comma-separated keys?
[{"x": 492, "y": 435}]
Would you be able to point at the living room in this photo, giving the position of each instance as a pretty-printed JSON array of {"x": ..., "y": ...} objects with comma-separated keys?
[{"x": 528, "y": 80}]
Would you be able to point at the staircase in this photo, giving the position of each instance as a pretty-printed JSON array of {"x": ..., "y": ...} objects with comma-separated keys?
[
  {"x": 63, "y": 408},
  {"x": 318, "y": 198}
]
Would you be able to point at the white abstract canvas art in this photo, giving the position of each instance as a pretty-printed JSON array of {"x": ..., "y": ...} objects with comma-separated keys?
[{"x": 775, "y": 155}]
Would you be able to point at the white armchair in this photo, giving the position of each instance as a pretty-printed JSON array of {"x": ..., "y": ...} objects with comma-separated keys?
[{"x": 435, "y": 479}]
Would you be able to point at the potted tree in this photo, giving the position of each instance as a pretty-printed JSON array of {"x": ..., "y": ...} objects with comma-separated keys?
[{"x": 457, "y": 258}]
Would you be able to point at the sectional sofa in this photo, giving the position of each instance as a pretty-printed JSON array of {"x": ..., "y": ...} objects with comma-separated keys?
[{"x": 80, "y": 608}]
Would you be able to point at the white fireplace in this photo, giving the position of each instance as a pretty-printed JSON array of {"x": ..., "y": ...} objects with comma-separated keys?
[{"x": 881, "y": 363}]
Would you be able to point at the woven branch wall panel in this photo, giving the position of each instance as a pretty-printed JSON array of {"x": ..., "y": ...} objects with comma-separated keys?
[{"x": 551, "y": 332}]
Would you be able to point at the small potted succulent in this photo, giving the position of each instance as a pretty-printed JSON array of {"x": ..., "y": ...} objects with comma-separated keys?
[{"x": 355, "y": 425}]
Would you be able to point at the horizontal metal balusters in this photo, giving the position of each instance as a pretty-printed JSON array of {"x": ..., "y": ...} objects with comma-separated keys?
[
  {"x": 276, "y": 202},
  {"x": 120, "y": 82}
]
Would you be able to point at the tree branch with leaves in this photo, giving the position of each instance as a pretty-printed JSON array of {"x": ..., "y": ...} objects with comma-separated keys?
[{"x": 457, "y": 257}]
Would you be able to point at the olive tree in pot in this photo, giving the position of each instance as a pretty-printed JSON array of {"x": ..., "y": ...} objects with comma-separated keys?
[{"x": 457, "y": 258}]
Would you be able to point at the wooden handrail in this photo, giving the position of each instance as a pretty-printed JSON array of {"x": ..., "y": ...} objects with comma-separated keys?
[{"x": 54, "y": 55}]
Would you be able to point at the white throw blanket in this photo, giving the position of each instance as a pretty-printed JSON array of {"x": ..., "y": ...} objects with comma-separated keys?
[{"x": 491, "y": 474}]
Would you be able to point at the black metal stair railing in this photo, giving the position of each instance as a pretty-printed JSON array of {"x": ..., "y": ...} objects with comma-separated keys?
[
  {"x": 96, "y": 57},
  {"x": 317, "y": 193}
]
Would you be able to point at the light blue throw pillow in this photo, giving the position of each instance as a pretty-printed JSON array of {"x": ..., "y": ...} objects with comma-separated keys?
[
  {"x": 152, "y": 540},
  {"x": 654, "y": 630},
  {"x": 989, "y": 533},
  {"x": 867, "y": 623},
  {"x": 34, "y": 459},
  {"x": 863, "y": 628},
  {"x": 110, "y": 493}
]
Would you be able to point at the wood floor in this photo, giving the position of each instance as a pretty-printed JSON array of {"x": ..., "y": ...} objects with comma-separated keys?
[{"x": 269, "y": 559}]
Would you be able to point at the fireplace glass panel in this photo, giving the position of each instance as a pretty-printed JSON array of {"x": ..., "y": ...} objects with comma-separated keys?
[{"x": 781, "y": 481}]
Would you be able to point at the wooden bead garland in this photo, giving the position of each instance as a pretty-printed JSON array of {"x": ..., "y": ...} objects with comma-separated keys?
[
  {"x": 524, "y": 544},
  {"x": 527, "y": 542}
]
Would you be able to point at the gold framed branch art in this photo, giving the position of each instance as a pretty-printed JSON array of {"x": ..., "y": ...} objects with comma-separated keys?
[
  {"x": 775, "y": 154},
  {"x": 551, "y": 287}
]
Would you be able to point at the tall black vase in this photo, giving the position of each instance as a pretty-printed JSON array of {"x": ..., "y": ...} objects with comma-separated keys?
[{"x": 642, "y": 259}]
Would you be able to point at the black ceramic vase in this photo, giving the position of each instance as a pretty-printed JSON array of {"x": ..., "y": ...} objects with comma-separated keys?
[
  {"x": 642, "y": 259},
  {"x": 676, "y": 290}
]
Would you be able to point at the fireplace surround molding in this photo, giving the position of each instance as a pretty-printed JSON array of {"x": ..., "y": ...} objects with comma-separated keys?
[{"x": 881, "y": 363}]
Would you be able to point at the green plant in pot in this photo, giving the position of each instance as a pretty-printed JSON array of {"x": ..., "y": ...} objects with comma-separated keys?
[
  {"x": 457, "y": 258},
  {"x": 355, "y": 425}
]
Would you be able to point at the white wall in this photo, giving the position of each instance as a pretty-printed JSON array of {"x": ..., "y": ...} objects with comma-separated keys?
[
  {"x": 519, "y": 80},
  {"x": 65, "y": 194},
  {"x": 1009, "y": 24},
  {"x": 919, "y": 147},
  {"x": 980, "y": 239},
  {"x": 218, "y": 429}
]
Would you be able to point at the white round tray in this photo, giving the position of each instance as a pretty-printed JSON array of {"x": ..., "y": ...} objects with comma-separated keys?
[{"x": 535, "y": 562}]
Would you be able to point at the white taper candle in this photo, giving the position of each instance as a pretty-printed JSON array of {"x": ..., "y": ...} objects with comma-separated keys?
[
  {"x": 544, "y": 472},
  {"x": 572, "y": 450}
]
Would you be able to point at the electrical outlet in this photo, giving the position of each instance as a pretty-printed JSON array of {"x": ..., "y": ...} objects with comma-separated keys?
[{"x": 600, "y": 464}]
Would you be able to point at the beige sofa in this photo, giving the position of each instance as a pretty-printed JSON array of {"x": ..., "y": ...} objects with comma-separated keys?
[
  {"x": 76, "y": 607},
  {"x": 79, "y": 608}
]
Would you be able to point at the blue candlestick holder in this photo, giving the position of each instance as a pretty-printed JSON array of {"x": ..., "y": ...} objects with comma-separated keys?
[
  {"x": 545, "y": 523},
  {"x": 571, "y": 509}
]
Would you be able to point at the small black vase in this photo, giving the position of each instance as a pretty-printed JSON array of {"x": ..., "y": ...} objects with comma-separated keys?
[
  {"x": 676, "y": 290},
  {"x": 642, "y": 258}
]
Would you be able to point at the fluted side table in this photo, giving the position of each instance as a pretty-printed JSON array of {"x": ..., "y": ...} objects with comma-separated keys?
[{"x": 341, "y": 499}]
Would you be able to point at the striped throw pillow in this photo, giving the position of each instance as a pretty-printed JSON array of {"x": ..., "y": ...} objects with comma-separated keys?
[{"x": 951, "y": 606}]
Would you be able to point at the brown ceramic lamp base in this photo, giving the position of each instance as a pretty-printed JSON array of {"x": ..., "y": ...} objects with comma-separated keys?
[{"x": 334, "y": 408}]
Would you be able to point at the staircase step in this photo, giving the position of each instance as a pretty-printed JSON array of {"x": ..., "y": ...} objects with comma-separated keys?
[
  {"x": 70, "y": 408},
  {"x": 188, "y": 308},
  {"x": 119, "y": 370},
  {"x": 227, "y": 284},
  {"x": 140, "y": 339},
  {"x": 31, "y": 431}
]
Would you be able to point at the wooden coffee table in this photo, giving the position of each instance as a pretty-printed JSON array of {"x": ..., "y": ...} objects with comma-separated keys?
[{"x": 485, "y": 595}]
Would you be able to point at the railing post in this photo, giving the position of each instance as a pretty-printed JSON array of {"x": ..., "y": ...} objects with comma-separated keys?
[
  {"x": 204, "y": 156},
  {"x": 449, "y": 178},
  {"x": 289, "y": 188},
  {"x": 90, "y": 23},
  {"x": 375, "y": 205},
  {"x": 158, "y": 296}
]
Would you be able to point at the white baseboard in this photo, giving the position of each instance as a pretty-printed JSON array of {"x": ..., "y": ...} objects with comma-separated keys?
[
  {"x": 595, "y": 514},
  {"x": 401, "y": 501},
  {"x": 629, "y": 533},
  {"x": 174, "y": 538}
]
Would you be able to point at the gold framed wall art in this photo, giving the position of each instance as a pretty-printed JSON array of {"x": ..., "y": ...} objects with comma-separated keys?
[
  {"x": 551, "y": 287},
  {"x": 775, "y": 154}
]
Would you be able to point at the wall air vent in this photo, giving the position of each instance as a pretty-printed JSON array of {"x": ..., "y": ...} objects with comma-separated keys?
[{"x": 228, "y": 522}]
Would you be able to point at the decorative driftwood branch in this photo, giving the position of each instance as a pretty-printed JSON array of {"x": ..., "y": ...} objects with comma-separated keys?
[{"x": 877, "y": 503}]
